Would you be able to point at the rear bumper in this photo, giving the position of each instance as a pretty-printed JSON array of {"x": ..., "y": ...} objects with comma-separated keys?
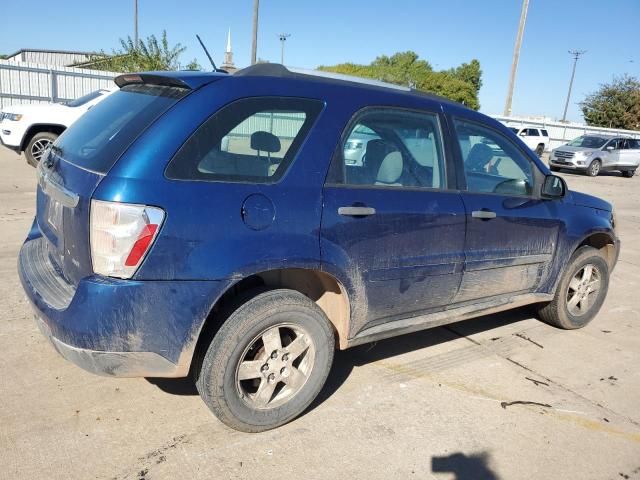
[{"x": 114, "y": 327}]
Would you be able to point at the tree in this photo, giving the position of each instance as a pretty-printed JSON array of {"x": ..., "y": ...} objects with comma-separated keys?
[
  {"x": 460, "y": 84},
  {"x": 614, "y": 105},
  {"x": 152, "y": 54}
]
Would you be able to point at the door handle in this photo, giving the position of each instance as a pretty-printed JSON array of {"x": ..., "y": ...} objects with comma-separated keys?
[
  {"x": 356, "y": 211},
  {"x": 483, "y": 214}
]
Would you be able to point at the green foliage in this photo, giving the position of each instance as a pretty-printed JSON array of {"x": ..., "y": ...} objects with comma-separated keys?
[
  {"x": 461, "y": 84},
  {"x": 2, "y": 57},
  {"x": 152, "y": 54},
  {"x": 614, "y": 105}
]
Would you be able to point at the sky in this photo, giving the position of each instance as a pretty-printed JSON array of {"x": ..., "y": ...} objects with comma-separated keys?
[{"x": 326, "y": 32}]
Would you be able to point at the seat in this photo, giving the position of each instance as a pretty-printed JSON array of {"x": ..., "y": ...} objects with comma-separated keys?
[
  {"x": 390, "y": 170},
  {"x": 479, "y": 158},
  {"x": 374, "y": 155}
]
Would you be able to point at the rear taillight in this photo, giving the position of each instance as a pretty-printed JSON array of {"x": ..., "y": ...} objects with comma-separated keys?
[{"x": 121, "y": 235}]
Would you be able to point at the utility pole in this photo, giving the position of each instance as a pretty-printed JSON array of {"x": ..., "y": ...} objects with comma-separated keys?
[
  {"x": 283, "y": 38},
  {"x": 254, "y": 44},
  {"x": 576, "y": 55},
  {"x": 135, "y": 23},
  {"x": 516, "y": 57}
]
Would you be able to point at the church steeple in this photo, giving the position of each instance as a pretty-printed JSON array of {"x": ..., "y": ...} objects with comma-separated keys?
[{"x": 228, "y": 56}]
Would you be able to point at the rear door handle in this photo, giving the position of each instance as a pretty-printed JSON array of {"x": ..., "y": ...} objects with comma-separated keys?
[
  {"x": 483, "y": 214},
  {"x": 356, "y": 211}
]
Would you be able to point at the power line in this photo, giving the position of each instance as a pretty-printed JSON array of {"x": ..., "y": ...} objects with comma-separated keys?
[
  {"x": 576, "y": 55},
  {"x": 283, "y": 38},
  {"x": 516, "y": 57}
]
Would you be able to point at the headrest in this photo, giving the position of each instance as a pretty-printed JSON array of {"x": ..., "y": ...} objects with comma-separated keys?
[{"x": 265, "y": 142}]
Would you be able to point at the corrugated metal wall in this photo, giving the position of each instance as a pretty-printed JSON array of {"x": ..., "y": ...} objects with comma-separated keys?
[
  {"x": 35, "y": 83},
  {"x": 561, "y": 133},
  {"x": 49, "y": 58}
]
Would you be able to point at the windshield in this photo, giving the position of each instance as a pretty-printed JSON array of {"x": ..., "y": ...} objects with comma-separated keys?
[
  {"x": 102, "y": 134},
  {"x": 588, "y": 141},
  {"x": 85, "y": 98}
]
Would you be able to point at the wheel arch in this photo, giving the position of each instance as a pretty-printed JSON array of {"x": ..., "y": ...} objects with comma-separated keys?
[
  {"x": 39, "y": 128},
  {"x": 321, "y": 287},
  {"x": 603, "y": 241}
]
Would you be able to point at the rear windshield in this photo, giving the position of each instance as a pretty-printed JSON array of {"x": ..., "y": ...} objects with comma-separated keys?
[
  {"x": 102, "y": 134},
  {"x": 588, "y": 141}
]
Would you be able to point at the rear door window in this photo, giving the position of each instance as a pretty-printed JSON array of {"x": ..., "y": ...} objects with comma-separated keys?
[
  {"x": 250, "y": 140},
  {"x": 100, "y": 136}
]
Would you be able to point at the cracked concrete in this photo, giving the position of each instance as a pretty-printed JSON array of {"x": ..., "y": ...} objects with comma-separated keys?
[{"x": 426, "y": 405}]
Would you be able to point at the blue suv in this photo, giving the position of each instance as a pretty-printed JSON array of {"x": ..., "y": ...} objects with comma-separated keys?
[{"x": 212, "y": 225}]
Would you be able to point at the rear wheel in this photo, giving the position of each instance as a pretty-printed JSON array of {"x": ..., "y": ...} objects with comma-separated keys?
[
  {"x": 581, "y": 291},
  {"x": 268, "y": 361},
  {"x": 37, "y": 146},
  {"x": 628, "y": 173},
  {"x": 540, "y": 150},
  {"x": 594, "y": 168}
]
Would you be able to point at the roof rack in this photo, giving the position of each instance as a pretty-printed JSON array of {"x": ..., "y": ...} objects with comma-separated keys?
[{"x": 278, "y": 70}]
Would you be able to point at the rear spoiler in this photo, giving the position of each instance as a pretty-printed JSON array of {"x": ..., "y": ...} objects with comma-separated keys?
[{"x": 150, "y": 79}]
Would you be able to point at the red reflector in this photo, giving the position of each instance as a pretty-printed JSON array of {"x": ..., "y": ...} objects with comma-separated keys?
[{"x": 141, "y": 245}]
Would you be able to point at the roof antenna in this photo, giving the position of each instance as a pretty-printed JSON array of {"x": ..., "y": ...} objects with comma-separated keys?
[{"x": 215, "y": 69}]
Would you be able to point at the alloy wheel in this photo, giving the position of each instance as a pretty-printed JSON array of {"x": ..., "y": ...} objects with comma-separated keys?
[
  {"x": 39, "y": 147},
  {"x": 275, "y": 366},
  {"x": 583, "y": 290}
]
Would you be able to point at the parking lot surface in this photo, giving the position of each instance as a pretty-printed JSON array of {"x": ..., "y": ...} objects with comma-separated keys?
[{"x": 499, "y": 397}]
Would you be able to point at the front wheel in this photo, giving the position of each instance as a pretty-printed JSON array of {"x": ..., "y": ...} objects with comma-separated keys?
[
  {"x": 581, "y": 291},
  {"x": 594, "y": 168},
  {"x": 540, "y": 150},
  {"x": 268, "y": 361},
  {"x": 37, "y": 146}
]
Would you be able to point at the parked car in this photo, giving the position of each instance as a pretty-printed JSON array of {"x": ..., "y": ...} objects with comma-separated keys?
[
  {"x": 32, "y": 128},
  {"x": 156, "y": 253},
  {"x": 537, "y": 139},
  {"x": 593, "y": 154}
]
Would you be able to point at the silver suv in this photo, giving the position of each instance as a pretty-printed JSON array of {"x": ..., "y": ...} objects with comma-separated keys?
[{"x": 595, "y": 153}]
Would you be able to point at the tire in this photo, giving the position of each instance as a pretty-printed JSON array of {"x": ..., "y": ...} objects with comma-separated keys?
[
  {"x": 628, "y": 173},
  {"x": 540, "y": 150},
  {"x": 36, "y": 146},
  {"x": 276, "y": 387},
  {"x": 594, "y": 168},
  {"x": 559, "y": 312}
]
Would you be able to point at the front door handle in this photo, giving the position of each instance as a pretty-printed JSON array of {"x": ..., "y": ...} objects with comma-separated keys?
[
  {"x": 483, "y": 214},
  {"x": 356, "y": 211}
]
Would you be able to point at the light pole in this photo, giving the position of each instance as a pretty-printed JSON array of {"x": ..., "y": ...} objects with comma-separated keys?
[
  {"x": 576, "y": 55},
  {"x": 516, "y": 57},
  {"x": 254, "y": 43},
  {"x": 135, "y": 23},
  {"x": 283, "y": 38}
]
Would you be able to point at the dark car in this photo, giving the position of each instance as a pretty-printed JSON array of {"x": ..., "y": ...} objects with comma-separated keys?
[{"x": 208, "y": 224}]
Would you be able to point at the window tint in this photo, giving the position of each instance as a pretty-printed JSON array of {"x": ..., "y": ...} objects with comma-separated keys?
[
  {"x": 249, "y": 140},
  {"x": 532, "y": 132},
  {"x": 492, "y": 164},
  {"x": 101, "y": 135},
  {"x": 395, "y": 148},
  {"x": 587, "y": 141},
  {"x": 632, "y": 143},
  {"x": 544, "y": 133}
]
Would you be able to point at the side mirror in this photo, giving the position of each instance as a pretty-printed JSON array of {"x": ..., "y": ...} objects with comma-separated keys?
[
  {"x": 554, "y": 187},
  {"x": 609, "y": 148}
]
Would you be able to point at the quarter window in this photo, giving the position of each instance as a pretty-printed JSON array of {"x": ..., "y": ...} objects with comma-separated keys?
[
  {"x": 250, "y": 140},
  {"x": 391, "y": 148},
  {"x": 544, "y": 133},
  {"x": 492, "y": 164}
]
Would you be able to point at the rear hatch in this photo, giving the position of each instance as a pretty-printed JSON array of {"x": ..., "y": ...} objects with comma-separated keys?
[{"x": 70, "y": 172}]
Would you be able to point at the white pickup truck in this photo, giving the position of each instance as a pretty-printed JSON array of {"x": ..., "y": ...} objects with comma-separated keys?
[
  {"x": 537, "y": 139},
  {"x": 32, "y": 128}
]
